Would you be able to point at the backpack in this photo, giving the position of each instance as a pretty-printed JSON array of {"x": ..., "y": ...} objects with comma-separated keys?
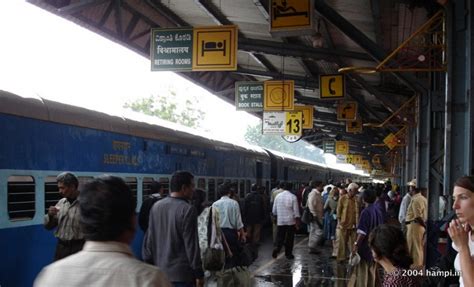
[{"x": 144, "y": 214}]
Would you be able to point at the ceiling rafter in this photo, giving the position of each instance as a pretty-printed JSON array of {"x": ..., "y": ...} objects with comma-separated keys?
[{"x": 79, "y": 6}]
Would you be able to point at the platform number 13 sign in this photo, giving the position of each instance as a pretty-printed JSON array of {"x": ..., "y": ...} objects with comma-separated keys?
[{"x": 294, "y": 123}]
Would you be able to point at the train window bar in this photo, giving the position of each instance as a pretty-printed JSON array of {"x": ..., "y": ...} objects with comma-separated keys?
[{"x": 21, "y": 197}]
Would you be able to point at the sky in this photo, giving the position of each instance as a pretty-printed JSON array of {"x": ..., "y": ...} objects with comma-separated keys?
[
  {"x": 44, "y": 55},
  {"x": 56, "y": 59}
]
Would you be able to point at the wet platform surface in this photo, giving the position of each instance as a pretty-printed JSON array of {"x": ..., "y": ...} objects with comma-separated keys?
[{"x": 304, "y": 270}]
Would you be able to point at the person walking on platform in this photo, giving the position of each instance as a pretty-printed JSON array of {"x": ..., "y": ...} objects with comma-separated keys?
[
  {"x": 158, "y": 193},
  {"x": 316, "y": 206},
  {"x": 287, "y": 212},
  {"x": 171, "y": 241},
  {"x": 330, "y": 222},
  {"x": 65, "y": 216},
  {"x": 370, "y": 217},
  {"x": 417, "y": 214},
  {"x": 108, "y": 221},
  {"x": 274, "y": 194},
  {"x": 254, "y": 214},
  {"x": 402, "y": 214},
  {"x": 347, "y": 217}
]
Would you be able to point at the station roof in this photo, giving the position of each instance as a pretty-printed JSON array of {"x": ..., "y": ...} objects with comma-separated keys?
[{"x": 346, "y": 33}]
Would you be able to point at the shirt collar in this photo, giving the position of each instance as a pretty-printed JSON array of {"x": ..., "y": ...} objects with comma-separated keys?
[{"x": 107, "y": 246}]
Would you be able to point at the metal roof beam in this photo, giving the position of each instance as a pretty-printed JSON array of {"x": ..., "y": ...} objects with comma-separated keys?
[
  {"x": 364, "y": 42},
  {"x": 295, "y": 50},
  {"x": 79, "y": 6},
  {"x": 299, "y": 81},
  {"x": 167, "y": 13}
]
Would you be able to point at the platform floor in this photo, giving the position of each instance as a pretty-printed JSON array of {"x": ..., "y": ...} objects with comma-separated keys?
[{"x": 304, "y": 270}]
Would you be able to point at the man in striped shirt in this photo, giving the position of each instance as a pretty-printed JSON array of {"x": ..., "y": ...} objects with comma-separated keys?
[
  {"x": 287, "y": 212},
  {"x": 65, "y": 216}
]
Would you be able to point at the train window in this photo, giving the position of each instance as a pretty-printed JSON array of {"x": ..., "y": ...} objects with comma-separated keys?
[
  {"x": 211, "y": 192},
  {"x": 146, "y": 187},
  {"x": 242, "y": 187},
  {"x": 51, "y": 192},
  {"x": 267, "y": 187},
  {"x": 21, "y": 197},
  {"x": 83, "y": 180},
  {"x": 165, "y": 182},
  {"x": 285, "y": 173},
  {"x": 247, "y": 186},
  {"x": 132, "y": 183},
  {"x": 201, "y": 184}
]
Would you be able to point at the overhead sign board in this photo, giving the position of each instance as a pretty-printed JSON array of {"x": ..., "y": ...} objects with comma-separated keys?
[
  {"x": 365, "y": 164},
  {"x": 347, "y": 111},
  {"x": 279, "y": 95},
  {"x": 291, "y": 15},
  {"x": 307, "y": 116},
  {"x": 342, "y": 147},
  {"x": 293, "y": 123},
  {"x": 354, "y": 126},
  {"x": 273, "y": 123},
  {"x": 249, "y": 96},
  {"x": 171, "y": 49},
  {"x": 390, "y": 141},
  {"x": 329, "y": 146},
  {"x": 215, "y": 48},
  {"x": 332, "y": 86}
]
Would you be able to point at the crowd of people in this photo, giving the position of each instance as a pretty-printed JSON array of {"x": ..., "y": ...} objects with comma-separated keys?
[{"x": 370, "y": 227}]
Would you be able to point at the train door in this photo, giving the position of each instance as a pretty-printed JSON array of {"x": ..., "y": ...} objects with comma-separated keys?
[
  {"x": 259, "y": 172},
  {"x": 285, "y": 173}
]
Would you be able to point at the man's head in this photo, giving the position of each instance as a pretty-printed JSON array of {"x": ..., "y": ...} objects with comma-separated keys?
[
  {"x": 182, "y": 183},
  {"x": 107, "y": 210},
  {"x": 224, "y": 189},
  {"x": 156, "y": 187},
  {"x": 352, "y": 189},
  {"x": 67, "y": 185},
  {"x": 412, "y": 185}
]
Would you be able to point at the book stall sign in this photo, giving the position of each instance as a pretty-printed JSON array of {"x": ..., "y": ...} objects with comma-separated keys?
[
  {"x": 171, "y": 49},
  {"x": 329, "y": 146},
  {"x": 279, "y": 95},
  {"x": 342, "y": 147},
  {"x": 294, "y": 123},
  {"x": 307, "y": 115},
  {"x": 273, "y": 123},
  {"x": 249, "y": 96}
]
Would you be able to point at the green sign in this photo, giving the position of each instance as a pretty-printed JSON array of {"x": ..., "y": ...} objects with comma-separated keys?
[
  {"x": 171, "y": 49},
  {"x": 329, "y": 147},
  {"x": 249, "y": 96}
]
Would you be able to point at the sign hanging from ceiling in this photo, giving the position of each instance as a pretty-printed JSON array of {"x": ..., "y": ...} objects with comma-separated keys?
[
  {"x": 307, "y": 115},
  {"x": 390, "y": 141},
  {"x": 289, "y": 17},
  {"x": 279, "y": 95},
  {"x": 171, "y": 49},
  {"x": 346, "y": 111},
  {"x": 215, "y": 48},
  {"x": 194, "y": 49},
  {"x": 249, "y": 96},
  {"x": 342, "y": 147},
  {"x": 329, "y": 146},
  {"x": 294, "y": 123},
  {"x": 331, "y": 86},
  {"x": 354, "y": 126},
  {"x": 273, "y": 123}
]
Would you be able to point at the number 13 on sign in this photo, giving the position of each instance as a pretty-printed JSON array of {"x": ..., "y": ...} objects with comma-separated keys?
[{"x": 294, "y": 123}]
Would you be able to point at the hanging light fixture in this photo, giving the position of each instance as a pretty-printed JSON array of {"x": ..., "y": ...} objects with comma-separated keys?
[{"x": 317, "y": 38}]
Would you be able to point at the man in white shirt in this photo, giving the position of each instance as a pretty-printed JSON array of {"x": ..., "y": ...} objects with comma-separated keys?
[
  {"x": 405, "y": 203},
  {"x": 108, "y": 223},
  {"x": 287, "y": 212}
]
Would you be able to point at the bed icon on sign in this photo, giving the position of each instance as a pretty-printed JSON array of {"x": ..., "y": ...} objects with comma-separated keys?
[{"x": 213, "y": 46}]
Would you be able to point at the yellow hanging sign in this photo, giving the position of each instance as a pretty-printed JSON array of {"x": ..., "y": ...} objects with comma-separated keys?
[
  {"x": 279, "y": 95},
  {"x": 294, "y": 123},
  {"x": 390, "y": 141},
  {"x": 342, "y": 147},
  {"x": 290, "y": 14},
  {"x": 215, "y": 48},
  {"x": 354, "y": 126},
  {"x": 331, "y": 86},
  {"x": 307, "y": 115},
  {"x": 347, "y": 111}
]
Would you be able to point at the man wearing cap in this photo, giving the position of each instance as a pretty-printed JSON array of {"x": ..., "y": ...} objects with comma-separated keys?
[
  {"x": 417, "y": 214},
  {"x": 405, "y": 203},
  {"x": 347, "y": 217}
]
